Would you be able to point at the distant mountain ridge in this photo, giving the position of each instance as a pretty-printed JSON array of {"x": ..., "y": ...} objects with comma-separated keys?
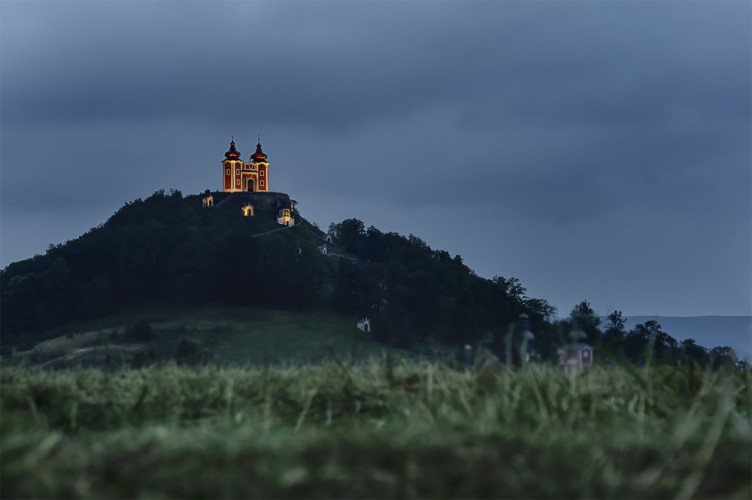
[{"x": 708, "y": 331}]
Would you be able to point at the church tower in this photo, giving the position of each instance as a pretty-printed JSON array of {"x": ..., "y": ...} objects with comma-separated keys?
[
  {"x": 232, "y": 165},
  {"x": 260, "y": 165}
]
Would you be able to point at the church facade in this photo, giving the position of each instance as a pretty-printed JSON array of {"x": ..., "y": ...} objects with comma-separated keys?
[{"x": 240, "y": 176}]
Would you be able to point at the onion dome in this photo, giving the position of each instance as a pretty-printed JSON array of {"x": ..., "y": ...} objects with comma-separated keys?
[
  {"x": 232, "y": 154},
  {"x": 258, "y": 155}
]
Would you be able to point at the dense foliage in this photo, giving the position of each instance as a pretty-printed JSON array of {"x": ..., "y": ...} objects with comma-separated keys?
[
  {"x": 168, "y": 249},
  {"x": 644, "y": 343},
  {"x": 165, "y": 249},
  {"x": 388, "y": 429}
]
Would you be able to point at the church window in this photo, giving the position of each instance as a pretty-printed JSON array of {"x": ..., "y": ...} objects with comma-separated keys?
[
  {"x": 227, "y": 172},
  {"x": 261, "y": 173},
  {"x": 261, "y": 183}
]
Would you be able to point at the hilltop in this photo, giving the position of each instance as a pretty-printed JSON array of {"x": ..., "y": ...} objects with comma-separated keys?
[{"x": 165, "y": 249}]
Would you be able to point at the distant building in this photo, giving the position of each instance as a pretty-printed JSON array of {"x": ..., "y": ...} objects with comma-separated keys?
[
  {"x": 364, "y": 325},
  {"x": 286, "y": 215},
  {"x": 527, "y": 336},
  {"x": 208, "y": 200},
  {"x": 240, "y": 176},
  {"x": 576, "y": 355}
]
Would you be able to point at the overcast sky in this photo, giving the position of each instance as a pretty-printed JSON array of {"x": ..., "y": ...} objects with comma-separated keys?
[{"x": 595, "y": 150}]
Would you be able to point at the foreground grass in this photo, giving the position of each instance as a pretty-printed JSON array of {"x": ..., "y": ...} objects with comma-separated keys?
[{"x": 385, "y": 429}]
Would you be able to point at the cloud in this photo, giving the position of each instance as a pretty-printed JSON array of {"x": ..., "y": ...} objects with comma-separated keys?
[{"x": 564, "y": 116}]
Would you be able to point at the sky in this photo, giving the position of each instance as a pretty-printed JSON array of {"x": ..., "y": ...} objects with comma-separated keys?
[{"x": 597, "y": 151}]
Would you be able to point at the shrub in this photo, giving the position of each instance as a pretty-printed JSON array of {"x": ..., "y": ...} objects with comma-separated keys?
[
  {"x": 187, "y": 352},
  {"x": 140, "y": 332}
]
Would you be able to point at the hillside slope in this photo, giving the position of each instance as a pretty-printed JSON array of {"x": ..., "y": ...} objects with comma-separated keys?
[
  {"x": 166, "y": 248},
  {"x": 169, "y": 249},
  {"x": 221, "y": 335}
]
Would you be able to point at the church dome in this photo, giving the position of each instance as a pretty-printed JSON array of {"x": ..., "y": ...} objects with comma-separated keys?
[
  {"x": 258, "y": 155},
  {"x": 232, "y": 154}
]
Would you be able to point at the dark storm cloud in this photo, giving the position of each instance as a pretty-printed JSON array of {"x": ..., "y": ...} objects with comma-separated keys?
[
  {"x": 338, "y": 65},
  {"x": 555, "y": 115}
]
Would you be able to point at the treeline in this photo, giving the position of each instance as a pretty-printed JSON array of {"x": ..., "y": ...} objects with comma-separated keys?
[
  {"x": 413, "y": 293},
  {"x": 643, "y": 343},
  {"x": 168, "y": 249},
  {"x": 416, "y": 294}
]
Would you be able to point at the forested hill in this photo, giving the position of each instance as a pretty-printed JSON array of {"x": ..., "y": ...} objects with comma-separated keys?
[{"x": 169, "y": 249}]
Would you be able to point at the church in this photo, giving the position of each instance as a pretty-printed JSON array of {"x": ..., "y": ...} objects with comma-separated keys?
[
  {"x": 251, "y": 176},
  {"x": 245, "y": 187}
]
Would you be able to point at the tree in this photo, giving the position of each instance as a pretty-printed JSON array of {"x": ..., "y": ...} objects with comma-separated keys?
[
  {"x": 694, "y": 353},
  {"x": 187, "y": 353},
  {"x": 511, "y": 287},
  {"x": 584, "y": 318},
  {"x": 616, "y": 322},
  {"x": 376, "y": 248},
  {"x": 648, "y": 342},
  {"x": 350, "y": 234},
  {"x": 723, "y": 357},
  {"x": 613, "y": 337},
  {"x": 540, "y": 307}
]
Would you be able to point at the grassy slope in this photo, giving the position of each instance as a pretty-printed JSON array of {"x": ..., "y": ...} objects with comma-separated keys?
[
  {"x": 231, "y": 336},
  {"x": 385, "y": 429}
]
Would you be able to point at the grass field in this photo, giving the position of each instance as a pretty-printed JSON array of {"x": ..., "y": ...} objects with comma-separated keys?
[
  {"x": 226, "y": 336},
  {"x": 382, "y": 429}
]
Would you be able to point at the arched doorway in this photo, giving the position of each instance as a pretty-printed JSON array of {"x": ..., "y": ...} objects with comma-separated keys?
[{"x": 250, "y": 186}]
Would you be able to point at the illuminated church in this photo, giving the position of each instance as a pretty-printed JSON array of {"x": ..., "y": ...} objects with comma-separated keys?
[
  {"x": 245, "y": 186},
  {"x": 252, "y": 176}
]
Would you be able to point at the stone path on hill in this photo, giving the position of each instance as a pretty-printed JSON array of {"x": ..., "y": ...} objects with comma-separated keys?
[
  {"x": 223, "y": 202},
  {"x": 332, "y": 254},
  {"x": 272, "y": 231}
]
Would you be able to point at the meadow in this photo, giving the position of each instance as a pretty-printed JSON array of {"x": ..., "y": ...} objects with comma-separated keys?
[
  {"x": 387, "y": 428},
  {"x": 223, "y": 335}
]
